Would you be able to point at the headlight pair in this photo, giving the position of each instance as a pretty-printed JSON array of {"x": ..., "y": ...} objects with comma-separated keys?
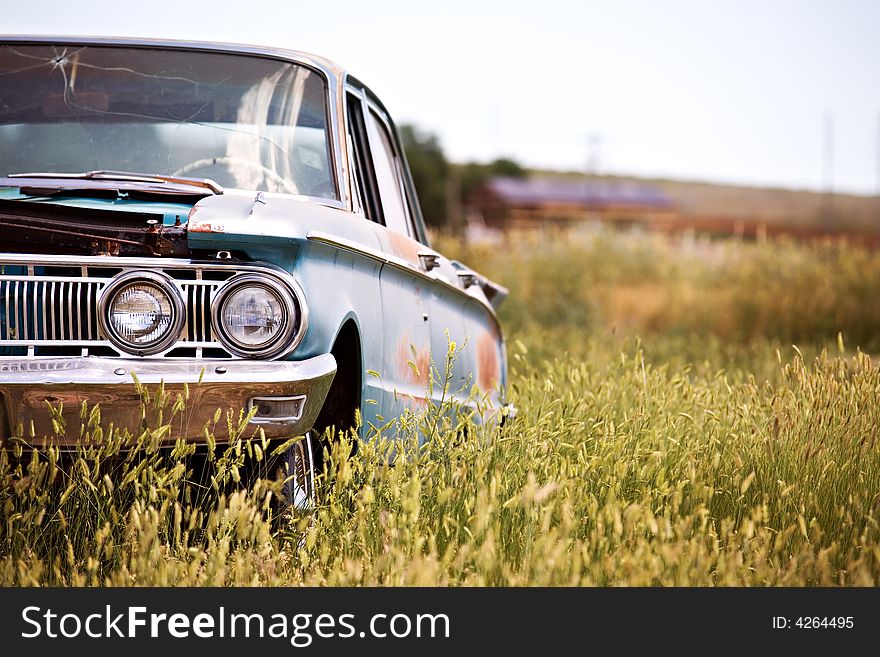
[{"x": 254, "y": 316}]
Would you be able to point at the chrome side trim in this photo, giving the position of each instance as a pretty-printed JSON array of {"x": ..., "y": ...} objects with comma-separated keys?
[
  {"x": 355, "y": 247},
  {"x": 395, "y": 261}
]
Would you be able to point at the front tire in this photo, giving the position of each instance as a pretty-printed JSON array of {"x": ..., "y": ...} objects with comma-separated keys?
[{"x": 298, "y": 467}]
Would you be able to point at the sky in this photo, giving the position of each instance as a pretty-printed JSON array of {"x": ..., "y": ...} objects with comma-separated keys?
[{"x": 782, "y": 93}]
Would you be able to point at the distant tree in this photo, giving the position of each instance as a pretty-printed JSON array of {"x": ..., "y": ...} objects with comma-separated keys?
[
  {"x": 430, "y": 172},
  {"x": 504, "y": 166},
  {"x": 476, "y": 174},
  {"x": 438, "y": 182},
  {"x": 473, "y": 175}
]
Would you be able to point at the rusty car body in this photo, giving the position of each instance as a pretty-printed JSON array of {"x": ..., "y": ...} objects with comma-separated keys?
[{"x": 241, "y": 217}]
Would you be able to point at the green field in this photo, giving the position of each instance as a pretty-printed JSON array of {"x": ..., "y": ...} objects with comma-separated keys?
[{"x": 690, "y": 413}]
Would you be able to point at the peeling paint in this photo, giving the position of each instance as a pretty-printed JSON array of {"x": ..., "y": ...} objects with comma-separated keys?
[
  {"x": 418, "y": 402},
  {"x": 406, "y": 360},
  {"x": 404, "y": 247},
  {"x": 495, "y": 329},
  {"x": 205, "y": 228}
]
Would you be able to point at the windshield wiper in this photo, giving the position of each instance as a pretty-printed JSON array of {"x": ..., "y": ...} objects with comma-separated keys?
[{"x": 124, "y": 176}]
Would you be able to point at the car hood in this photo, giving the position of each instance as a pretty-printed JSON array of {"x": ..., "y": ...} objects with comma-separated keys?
[
  {"x": 259, "y": 223},
  {"x": 79, "y": 222}
]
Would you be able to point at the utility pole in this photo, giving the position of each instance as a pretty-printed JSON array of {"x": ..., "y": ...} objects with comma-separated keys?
[
  {"x": 877, "y": 173},
  {"x": 594, "y": 142},
  {"x": 877, "y": 189},
  {"x": 828, "y": 168},
  {"x": 454, "y": 213}
]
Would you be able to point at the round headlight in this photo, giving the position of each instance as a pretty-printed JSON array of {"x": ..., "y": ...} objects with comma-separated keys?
[
  {"x": 255, "y": 317},
  {"x": 141, "y": 313}
]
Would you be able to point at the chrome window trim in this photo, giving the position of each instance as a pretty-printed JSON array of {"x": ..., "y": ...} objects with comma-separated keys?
[
  {"x": 377, "y": 113},
  {"x": 356, "y": 206}
]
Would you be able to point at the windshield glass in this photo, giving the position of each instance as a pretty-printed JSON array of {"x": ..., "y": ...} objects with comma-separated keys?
[{"x": 242, "y": 121}]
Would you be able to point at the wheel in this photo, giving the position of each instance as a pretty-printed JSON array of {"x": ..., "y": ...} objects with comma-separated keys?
[
  {"x": 298, "y": 468},
  {"x": 302, "y": 462},
  {"x": 344, "y": 397}
]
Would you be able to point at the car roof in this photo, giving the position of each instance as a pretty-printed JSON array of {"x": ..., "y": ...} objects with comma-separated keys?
[{"x": 336, "y": 75}]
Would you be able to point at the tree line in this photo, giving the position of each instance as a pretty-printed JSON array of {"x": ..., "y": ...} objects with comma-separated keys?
[{"x": 443, "y": 186}]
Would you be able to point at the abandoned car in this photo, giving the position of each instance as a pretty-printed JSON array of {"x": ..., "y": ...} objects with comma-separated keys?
[{"x": 240, "y": 218}]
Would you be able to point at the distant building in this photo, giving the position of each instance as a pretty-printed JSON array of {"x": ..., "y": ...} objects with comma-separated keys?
[{"x": 525, "y": 202}]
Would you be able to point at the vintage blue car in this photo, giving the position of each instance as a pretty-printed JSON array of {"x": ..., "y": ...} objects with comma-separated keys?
[{"x": 237, "y": 216}]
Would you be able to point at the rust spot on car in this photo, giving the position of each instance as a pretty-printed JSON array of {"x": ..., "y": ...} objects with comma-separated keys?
[
  {"x": 488, "y": 365},
  {"x": 404, "y": 247},
  {"x": 418, "y": 402},
  {"x": 196, "y": 227},
  {"x": 495, "y": 330},
  {"x": 414, "y": 363}
]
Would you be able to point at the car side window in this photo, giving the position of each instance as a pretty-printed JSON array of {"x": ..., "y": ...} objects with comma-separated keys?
[
  {"x": 388, "y": 177},
  {"x": 363, "y": 174}
]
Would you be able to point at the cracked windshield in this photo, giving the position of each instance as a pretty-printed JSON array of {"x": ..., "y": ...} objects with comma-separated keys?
[{"x": 242, "y": 121}]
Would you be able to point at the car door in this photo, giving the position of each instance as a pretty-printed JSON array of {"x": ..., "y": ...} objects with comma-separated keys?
[
  {"x": 461, "y": 305},
  {"x": 406, "y": 342},
  {"x": 431, "y": 279}
]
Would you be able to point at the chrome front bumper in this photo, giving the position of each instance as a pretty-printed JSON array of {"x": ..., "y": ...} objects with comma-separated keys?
[{"x": 28, "y": 385}]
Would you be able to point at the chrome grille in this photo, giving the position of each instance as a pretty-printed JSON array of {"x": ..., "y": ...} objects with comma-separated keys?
[
  {"x": 49, "y": 302},
  {"x": 53, "y": 310},
  {"x": 198, "y": 295}
]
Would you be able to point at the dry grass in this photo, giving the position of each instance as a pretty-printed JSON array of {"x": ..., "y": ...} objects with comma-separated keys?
[{"x": 708, "y": 453}]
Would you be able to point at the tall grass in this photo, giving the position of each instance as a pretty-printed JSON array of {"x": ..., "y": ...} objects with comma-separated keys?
[
  {"x": 701, "y": 454},
  {"x": 598, "y": 283}
]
